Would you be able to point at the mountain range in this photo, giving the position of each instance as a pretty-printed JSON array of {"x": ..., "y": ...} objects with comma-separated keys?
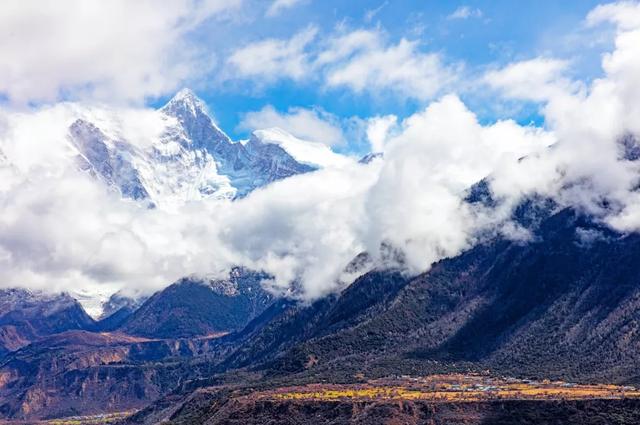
[{"x": 562, "y": 305}]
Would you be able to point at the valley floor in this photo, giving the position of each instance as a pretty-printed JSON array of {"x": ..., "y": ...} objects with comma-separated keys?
[
  {"x": 107, "y": 418},
  {"x": 451, "y": 388},
  {"x": 449, "y": 398},
  {"x": 437, "y": 400}
]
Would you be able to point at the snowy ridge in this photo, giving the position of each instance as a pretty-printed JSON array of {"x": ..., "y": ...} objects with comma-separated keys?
[{"x": 311, "y": 153}]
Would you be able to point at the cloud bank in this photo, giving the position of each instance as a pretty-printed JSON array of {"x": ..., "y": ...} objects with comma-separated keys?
[{"x": 60, "y": 229}]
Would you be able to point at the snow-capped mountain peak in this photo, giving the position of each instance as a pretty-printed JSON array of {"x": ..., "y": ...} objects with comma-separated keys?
[
  {"x": 191, "y": 112},
  {"x": 185, "y": 100},
  {"x": 190, "y": 159}
]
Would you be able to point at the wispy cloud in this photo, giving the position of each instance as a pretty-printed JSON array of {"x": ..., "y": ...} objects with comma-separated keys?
[
  {"x": 399, "y": 68},
  {"x": 279, "y": 5},
  {"x": 273, "y": 59},
  {"x": 371, "y": 13},
  {"x": 465, "y": 12},
  {"x": 363, "y": 61}
]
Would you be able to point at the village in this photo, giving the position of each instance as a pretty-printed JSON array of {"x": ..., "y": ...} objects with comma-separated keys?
[{"x": 453, "y": 388}]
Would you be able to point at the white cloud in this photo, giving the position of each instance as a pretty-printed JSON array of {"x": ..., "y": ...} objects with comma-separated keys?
[
  {"x": 537, "y": 79},
  {"x": 310, "y": 124},
  {"x": 279, "y": 5},
  {"x": 371, "y": 13},
  {"x": 417, "y": 202},
  {"x": 361, "y": 60},
  {"x": 399, "y": 68},
  {"x": 114, "y": 50},
  {"x": 626, "y": 14},
  {"x": 62, "y": 230},
  {"x": 587, "y": 168},
  {"x": 342, "y": 47},
  {"x": 273, "y": 59},
  {"x": 59, "y": 229},
  {"x": 465, "y": 12},
  {"x": 378, "y": 129}
]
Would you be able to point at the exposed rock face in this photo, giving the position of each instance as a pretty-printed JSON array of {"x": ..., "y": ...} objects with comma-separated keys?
[{"x": 196, "y": 308}]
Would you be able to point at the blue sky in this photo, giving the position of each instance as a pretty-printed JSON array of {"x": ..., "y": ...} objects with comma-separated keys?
[
  {"x": 494, "y": 33},
  {"x": 283, "y": 58}
]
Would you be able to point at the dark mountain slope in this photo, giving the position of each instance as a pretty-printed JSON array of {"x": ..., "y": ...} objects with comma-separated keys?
[
  {"x": 563, "y": 305},
  {"x": 194, "y": 308},
  {"x": 296, "y": 323},
  {"x": 80, "y": 372},
  {"x": 26, "y": 316}
]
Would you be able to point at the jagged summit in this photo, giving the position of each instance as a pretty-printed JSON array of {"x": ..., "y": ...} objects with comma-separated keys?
[
  {"x": 185, "y": 99},
  {"x": 191, "y": 112},
  {"x": 186, "y": 93}
]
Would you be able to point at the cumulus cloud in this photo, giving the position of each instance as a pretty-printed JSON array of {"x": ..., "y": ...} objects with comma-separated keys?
[
  {"x": 417, "y": 202},
  {"x": 591, "y": 168},
  {"x": 279, "y": 5},
  {"x": 112, "y": 50},
  {"x": 315, "y": 125},
  {"x": 61, "y": 229},
  {"x": 625, "y": 14},
  {"x": 378, "y": 129}
]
